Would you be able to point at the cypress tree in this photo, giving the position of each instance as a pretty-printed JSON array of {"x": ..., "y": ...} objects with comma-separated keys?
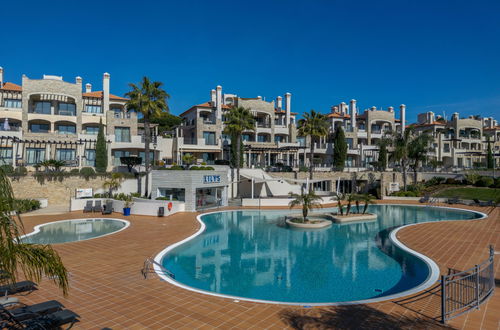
[
  {"x": 101, "y": 154},
  {"x": 339, "y": 149},
  {"x": 490, "y": 161},
  {"x": 382, "y": 157}
]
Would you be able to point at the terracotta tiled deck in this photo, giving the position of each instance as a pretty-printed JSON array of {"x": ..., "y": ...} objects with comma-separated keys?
[{"x": 108, "y": 291}]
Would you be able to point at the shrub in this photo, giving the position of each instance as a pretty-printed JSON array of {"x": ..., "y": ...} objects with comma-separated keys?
[
  {"x": 20, "y": 170},
  {"x": 452, "y": 181},
  {"x": 203, "y": 163},
  {"x": 485, "y": 181},
  {"x": 162, "y": 198},
  {"x": 87, "y": 172},
  {"x": 221, "y": 162},
  {"x": 496, "y": 184},
  {"x": 303, "y": 169},
  {"x": 194, "y": 168},
  {"x": 175, "y": 168},
  {"x": 135, "y": 194},
  {"x": 27, "y": 205},
  {"x": 74, "y": 171},
  {"x": 8, "y": 169}
]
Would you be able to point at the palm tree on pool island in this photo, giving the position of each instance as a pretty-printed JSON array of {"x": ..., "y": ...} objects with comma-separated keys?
[{"x": 308, "y": 200}]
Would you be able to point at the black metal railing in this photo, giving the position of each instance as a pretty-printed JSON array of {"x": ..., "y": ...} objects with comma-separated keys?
[{"x": 463, "y": 291}]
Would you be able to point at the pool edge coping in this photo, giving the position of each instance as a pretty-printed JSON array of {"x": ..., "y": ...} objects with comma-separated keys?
[
  {"x": 433, "y": 276},
  {"x": 36, "y": 229}
]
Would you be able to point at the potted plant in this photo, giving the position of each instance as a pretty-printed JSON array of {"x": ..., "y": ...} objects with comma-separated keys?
[{"x": 128, "y": 204}]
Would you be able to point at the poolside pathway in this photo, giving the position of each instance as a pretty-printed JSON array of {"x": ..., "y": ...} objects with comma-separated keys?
[{"x": 108, "y": 291}]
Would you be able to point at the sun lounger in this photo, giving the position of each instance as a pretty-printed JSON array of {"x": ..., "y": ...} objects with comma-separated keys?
[
  {"x": 18, "y": 287},
  {"x": 88, "y": 207},
  {"x": 28, "y": 312},
  {"x": 488, "y": 203},
  {"x": 453, "y": 200},
  {"x": 48, "y": 321},
  {"x": 424, "y": 199},
  {"x": 97, "y": 206},
  {"x": 108, "y": 208}
]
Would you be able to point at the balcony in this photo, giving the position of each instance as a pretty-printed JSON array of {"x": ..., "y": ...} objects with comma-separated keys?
[
  {"x": 201, "y": 143},
  {"x": 263, "y": 125}
]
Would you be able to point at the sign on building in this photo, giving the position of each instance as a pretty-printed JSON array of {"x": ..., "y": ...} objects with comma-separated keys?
[
  {"x": 211, "y": 179},
  {"x": 84, "y": 193},
  {"x": 393, "y": 186}
]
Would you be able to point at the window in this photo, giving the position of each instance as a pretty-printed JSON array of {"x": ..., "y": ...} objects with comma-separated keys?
[
  {"x": 208, "y": 158},
  {"x": 262, "y": 138},
  {"x": 92, "y": 130},
  {"x": 39, "y": 128},
  {"x": 5, "y": 156},
  {"x": 65, "y": 154},
  {"x": 11, "y": 103},
  {"x": 173, "y": 194},
  {"x": 117, "y": 112},
  {"x": 117, "y": 154},
  {"x": 42, "y": 107},
  {"x": 142, "y": 154},
  {"x": 90, "y": 157},
  {"x": 35, "y": 155},
  {"x": 279, "y": 138},
  {"x": 245, "y": 137},
  {"x": 122, "y": 134},
  {"x": 209, "y": 138},
  {"x": 66, "y": 129},
  {"x": 67, "y": 109},
  {"x": 302, "y": 141},
  {"x": 93, "y": 108}
]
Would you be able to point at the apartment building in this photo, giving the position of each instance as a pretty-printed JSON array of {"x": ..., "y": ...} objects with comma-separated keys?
[
  {"x": 50, "y": 118},
  {"x": 273, "y": 141}
]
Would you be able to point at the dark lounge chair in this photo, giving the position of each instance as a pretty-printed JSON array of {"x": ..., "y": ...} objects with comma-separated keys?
[
  {"x": 453, "y": 200},
  {"x": 108, "y": 208},
  {"x": 22, "y": 286},
  {"x": 424, "y": 199},
  {"x": 161, "y": 211},
  {"x": 49, "y": 321},
  {"x": 88, "y": 207},
  {"x": 488, "y": 203},
  {"x": 97, "y": 206},
  {"x": 28, "y": 312}
]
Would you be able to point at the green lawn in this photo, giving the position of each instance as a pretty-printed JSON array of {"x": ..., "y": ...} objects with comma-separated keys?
[{"x": 484, "y": 194}]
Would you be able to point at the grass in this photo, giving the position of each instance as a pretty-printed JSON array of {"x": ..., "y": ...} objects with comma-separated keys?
[{"x": 484, "y": 194}]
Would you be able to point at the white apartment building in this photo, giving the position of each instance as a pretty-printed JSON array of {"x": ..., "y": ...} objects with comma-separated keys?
[{"x": 50, "y": 118}]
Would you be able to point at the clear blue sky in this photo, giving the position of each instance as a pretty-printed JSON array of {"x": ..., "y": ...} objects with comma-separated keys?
[{"x": 430, "y": 55}]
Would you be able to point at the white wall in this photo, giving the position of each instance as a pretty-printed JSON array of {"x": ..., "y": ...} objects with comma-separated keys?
[
  {"x": 139, "y": 207},
  {"x": 256, "y": 202}
]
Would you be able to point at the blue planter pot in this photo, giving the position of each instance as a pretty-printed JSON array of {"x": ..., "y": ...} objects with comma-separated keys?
[{"x": 126, "y": 211}]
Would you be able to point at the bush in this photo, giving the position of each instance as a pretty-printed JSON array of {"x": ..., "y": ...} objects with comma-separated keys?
[
  {"x": 87, "y": 172},
  {"x": 484, "y": 181},
  {"x": 175, "y": 168},
  {"x": 452, "y": 181},
  {"x": 221, "y": 162},
  {"x": 303, "y": 169},
  {"x": 201, "y": 168},
  {"x": 8, "y": 169},
  {"x": 496, "y": 184},
  {"x": 27, "y": 205},
  {"x": 20, "y": 170},
  {"x": 135, "y": 194},
  {"x": 162, "y": 198},
  {"x": 74, "y": 171},
  {"x": 194, "y": 168}
]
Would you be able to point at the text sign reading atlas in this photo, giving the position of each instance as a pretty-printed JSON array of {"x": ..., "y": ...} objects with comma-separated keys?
[{"x": 211, "y": 179}]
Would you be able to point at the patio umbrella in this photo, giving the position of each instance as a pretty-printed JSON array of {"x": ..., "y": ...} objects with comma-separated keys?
[{"x": 6, "y": 126}]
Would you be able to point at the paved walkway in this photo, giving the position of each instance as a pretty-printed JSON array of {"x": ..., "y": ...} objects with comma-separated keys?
[{"x": 108, "y": 291}]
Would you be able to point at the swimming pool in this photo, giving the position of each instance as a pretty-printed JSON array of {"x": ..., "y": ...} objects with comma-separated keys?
[
  {"x": 251, "y": 255},
  {"x": 73, "y": 230}
]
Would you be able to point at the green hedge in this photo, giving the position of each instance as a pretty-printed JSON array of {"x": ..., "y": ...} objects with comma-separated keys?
[{"x": 27, "y": 205}]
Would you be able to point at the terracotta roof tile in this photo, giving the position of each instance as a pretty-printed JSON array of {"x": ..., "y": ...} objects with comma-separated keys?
[
  {"x": 338, "y": 115},
  {"x": 11, "y": 87},
  {"x": 434, "y": 123},
  {"x": 99, "y": 94}
]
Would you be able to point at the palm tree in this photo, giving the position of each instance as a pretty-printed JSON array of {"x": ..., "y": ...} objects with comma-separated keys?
[
  {"x": 149, "y": 99},
  {"x": 339, "y": 197},
  {"x": 350, "y": 198},
  {"x": 367, "y": 199},
  {"x": 418, "y": 151},
  {"x": 188, "y": 159},
  {"x": 238, "y": 119},
  {"x": 401, "y": 142},
  {"x": 32, "y": 260},
  {"x": 113, "y": 183},
  {"x": 308, "y": 201},
  {"x": 315, "y": 125}
]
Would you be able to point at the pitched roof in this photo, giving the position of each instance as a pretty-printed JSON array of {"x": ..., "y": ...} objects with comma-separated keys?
[
  {"x": 434, "y": 123},
  {"x": 11, "y": 87},
  {"x": 99, "y": 95},
  {"x": 338, "y": 115}
]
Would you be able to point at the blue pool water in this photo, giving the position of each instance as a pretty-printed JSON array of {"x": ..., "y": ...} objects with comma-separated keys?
[
  {"x": 73, "y": 230},
  {"x": 251, "y": 254}
]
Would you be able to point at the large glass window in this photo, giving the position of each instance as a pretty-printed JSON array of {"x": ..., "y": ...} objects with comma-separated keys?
[
  {"x": 66, "y": 129},
  {"x": 302, "y": 141},
  {"x": 92, "y": 130},
  {"x": 11, "y": 103},
  {"x": 42, "y": 107},
  {"x": 209, "y": 138},
  {"x": 65, "y": 154},
  {"x": 93, "y": 108},
  {"x": 39, "y": 128},
  {"x": 246, "y": 137},
  {"x": 35, "y": 155},
  {"x": 116, "y": 156},
  {"x": 262, "y": 138},
  {"x": 5, "y": 156},
  {"x": 67, "y": 109},
  {"x": 122, "y": 134},
  {"x": 90, "y": 157},
  {"x": 142, "y": 154},
  {"x": 173, "y": 194}
]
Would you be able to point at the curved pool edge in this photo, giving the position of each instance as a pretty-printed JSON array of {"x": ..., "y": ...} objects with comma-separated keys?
[
  {"x": 36, "y": 229},
  {"x": 433, "y": 276}
]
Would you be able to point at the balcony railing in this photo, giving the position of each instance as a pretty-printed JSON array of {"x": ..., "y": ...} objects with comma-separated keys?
[
  {"x": 263, "y": 125},
  {"x": 66, "y": 113}
]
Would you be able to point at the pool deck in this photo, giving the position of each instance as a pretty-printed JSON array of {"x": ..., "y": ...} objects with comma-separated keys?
[{"x": 108, "y": 291}]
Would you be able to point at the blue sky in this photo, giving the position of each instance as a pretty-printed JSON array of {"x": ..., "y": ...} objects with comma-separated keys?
[{"x": 430, "y": 55}]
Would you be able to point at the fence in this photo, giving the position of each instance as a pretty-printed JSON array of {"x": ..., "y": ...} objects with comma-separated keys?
[{"x": 460, "y": 292}]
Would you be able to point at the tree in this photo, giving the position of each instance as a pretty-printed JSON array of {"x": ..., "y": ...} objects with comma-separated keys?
[
  {"x": 490, "y": 160},
  {"x": 166, "y": 121},
  {"x": 238, "y": 119},
  {"x": 101, "y": 154},
  {"x": 32, "y": 260},
  {"x": 188, "y": 159},
  {"x": 367, "y": 199},
  {"x": 382, "y": 154},
  {"x": 113, "y": 183},
  {"x": 400, "y": 142},
  {"x": 149, "y": 99},
  {"x": 235, "y": 151},
  {"x": 339, "y": 149},
  {"x": 418, "y": 152},
  {"x": 315, "y": 125},
  {"x": 308, "y": 201},
  {"x": 131, "y": 161},
  {"x": 339, "y": 197}
]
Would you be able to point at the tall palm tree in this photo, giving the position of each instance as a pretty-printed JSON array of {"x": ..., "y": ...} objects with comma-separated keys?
[
  {"x": 32, "y": 260},
  {"x": 418, "y": 152},
  {"x": 238, "y": 119},
  {"x": 149, "y": 99},
  {"x": 367, "y": 199},
  {"x": 315, "y": 125},
  {"x": 400, "y": 153},
  {"x": 308, "y": 200},
  {"x": 113, "y": 183}
]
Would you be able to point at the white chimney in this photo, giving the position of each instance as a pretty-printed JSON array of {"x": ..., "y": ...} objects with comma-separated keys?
[
  {"x": 78, "y": 80},
  {"x": 88, "y": 88},
  {"x": 218, "y": 102},
  {"x": 1, "y": 77},
  {"x": 288, "y": 107},
  {"x": 402, "y": 117},
  {"x": 455, "y": 116},
  {"x": 279, "y": 102},
  {"x": 213, "y": 97},
  {"x": 373, "y": 108},
  {"x": 105, "y": 91},
  {"x": 391, "y": 109},
  {"x": 352, "y": 105},
  {"x": 343, "y": 108}
]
